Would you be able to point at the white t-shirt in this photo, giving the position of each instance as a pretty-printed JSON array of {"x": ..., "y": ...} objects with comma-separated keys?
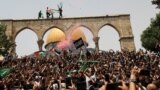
[
  {"x": 63, "y": 86},
  {"x": 87, "y": 82},
  {"x": 93, "y": 77},
  {"x": 55, "y": 86}
]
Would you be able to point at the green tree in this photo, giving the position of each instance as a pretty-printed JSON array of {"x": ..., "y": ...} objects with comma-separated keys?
[
  {"x": 151, "y": 36},
  {"x": 5, "y": 42},
  {"x": 156, "y": 2}
]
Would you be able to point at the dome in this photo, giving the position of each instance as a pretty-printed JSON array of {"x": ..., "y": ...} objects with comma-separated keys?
[
  {"x": 76, "y": 34},
  {"x": 55, "y": 35}
]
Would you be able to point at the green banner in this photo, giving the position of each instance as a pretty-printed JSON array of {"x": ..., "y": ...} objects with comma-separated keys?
[
  {"x": 4, "y": 72},
  {"x": 83, "y": 67},
  {"x": 85, "y": 64}
]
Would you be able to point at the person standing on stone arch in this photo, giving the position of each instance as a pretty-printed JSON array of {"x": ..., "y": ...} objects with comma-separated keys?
[
  {"x": 47, "y": 13},
  {"x": 60, "y": 10},
  {"x": 40, "y": 15}
]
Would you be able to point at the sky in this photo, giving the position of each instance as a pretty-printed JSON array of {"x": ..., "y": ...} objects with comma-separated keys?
[{"x": 141, "y": 12}]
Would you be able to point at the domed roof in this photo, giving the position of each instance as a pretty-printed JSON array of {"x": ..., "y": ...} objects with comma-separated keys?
[
  {"x": 76, "y": 34},
  {"x": 55, "y": 35}
]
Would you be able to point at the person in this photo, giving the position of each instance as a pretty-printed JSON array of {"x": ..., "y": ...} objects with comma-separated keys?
[
  {"x": 2, "y": 86},
  {"x": 104, "y": 86},
  {"x": 40, "y": 15},
  {"x": 60, "y": 11},
  {"x": 123, "y": 86},
  {"x": 91, "y": 85},
  {"x": 48, "y": 13},
  {"x": 152, "y": 86},
  {"x": 157, "y": 47}
]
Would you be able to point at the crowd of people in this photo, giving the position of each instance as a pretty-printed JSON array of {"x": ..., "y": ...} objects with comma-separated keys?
[{"x": 105, "y": 70}]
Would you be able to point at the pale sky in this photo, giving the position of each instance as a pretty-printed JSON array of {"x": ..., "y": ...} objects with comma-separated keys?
[{"x": 141, "y": 12}]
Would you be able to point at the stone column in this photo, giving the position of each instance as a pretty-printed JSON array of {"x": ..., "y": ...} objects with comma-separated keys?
[
  {"x": 40, "y": 44},
  {"x": 127, "y": 43},
  {"x": 96, "y": 41},
  {"x": 13, "y": 49}
]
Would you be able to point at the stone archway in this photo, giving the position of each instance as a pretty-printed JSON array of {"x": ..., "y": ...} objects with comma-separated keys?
[
  {"x": 109, "y": 38},
  {"x": 120, "y": 22},
  {"x": 25, "y": 42}
]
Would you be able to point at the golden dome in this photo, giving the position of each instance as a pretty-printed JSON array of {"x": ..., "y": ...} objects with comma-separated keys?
[
  {"x": 76, "y": 34},
  {"x": 55, "y": 35}
]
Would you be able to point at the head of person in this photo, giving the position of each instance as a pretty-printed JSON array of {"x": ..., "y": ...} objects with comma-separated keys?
[{"x": 151, "y": 86}]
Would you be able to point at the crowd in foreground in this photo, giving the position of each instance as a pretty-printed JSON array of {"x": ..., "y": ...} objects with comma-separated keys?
[{"x": 107, "y": 70}]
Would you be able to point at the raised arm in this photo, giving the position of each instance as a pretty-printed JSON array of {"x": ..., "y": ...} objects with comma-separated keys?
[{"x": 133, "y": 78}]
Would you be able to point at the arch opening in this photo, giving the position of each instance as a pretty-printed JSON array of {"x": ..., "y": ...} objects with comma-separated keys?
[
  {"x": 22, "y": 29},
  {"x": 26, "y": 42},
  {"x": 84, "y": 33},
  {"x": 112, "y": 26},
  {"x": 109, "y": 38}
]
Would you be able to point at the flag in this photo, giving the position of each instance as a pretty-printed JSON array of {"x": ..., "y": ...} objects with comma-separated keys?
[
  {"x": 83, "y": 67},
  {"x": 78, "y": 43},
  {"x": 36, "y": 54},
  {"x": 85, "y": 64},
  {"x": 4, "y": 72},
  {"x": 39, "y": 54}
]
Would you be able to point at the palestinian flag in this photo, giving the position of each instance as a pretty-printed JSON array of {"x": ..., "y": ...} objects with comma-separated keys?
[
  {"x": 39, "y": 54},
  {"x": 4, "y": 72},
  {"x": 78, "y": 43}
]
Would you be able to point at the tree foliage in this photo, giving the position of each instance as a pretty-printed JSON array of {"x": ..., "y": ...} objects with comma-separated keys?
[
  {"x": 156, "y": 2},
  {"x": 5, "y": 42},
  {"x": 151, "y": 36}
]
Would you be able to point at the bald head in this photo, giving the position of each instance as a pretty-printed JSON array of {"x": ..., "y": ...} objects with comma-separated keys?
[{"x": 151, "y": 86}]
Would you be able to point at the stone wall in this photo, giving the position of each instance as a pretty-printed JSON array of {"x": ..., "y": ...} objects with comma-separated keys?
[{"x": 121, "y": 23}]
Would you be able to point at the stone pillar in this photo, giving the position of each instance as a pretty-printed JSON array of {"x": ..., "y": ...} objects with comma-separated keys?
[
  {"x": 127, "y": 43},
  {"x": 40, "y": 44},
  {"x": 96, "y": 41},
  {"x": 13, "y": 49}
]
